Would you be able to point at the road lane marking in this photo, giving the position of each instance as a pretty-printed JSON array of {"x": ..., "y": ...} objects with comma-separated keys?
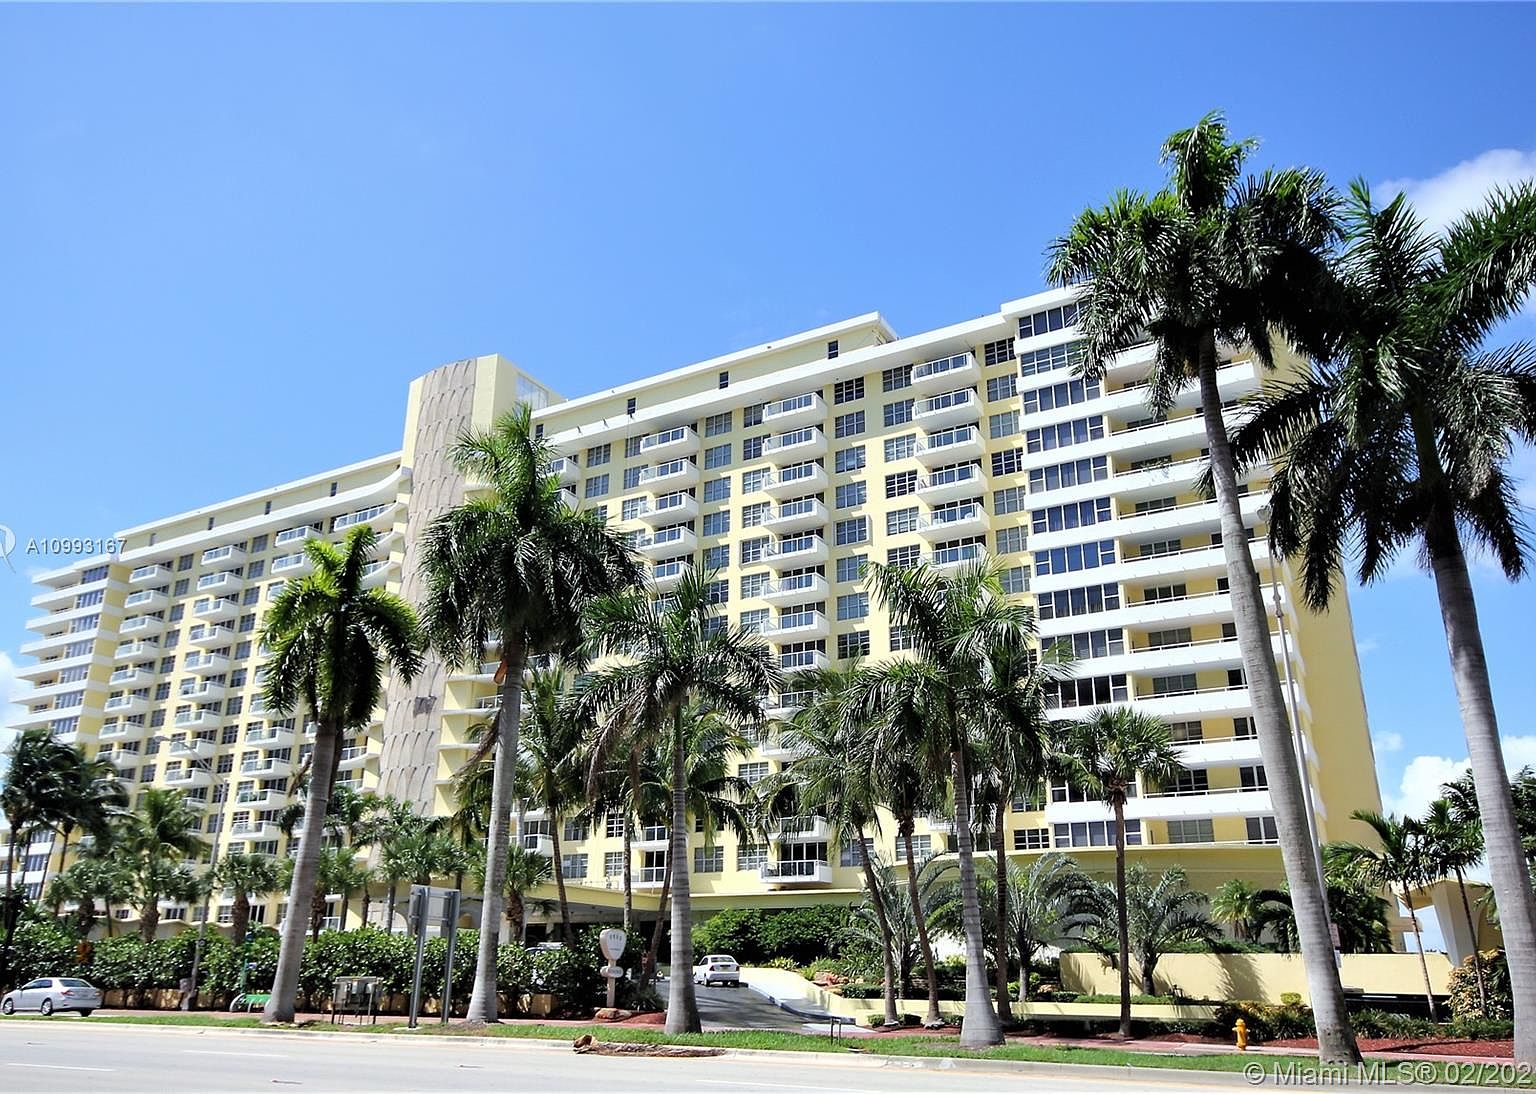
[
  {"x": 787, "y": 1086},
  {"x": 255, "y": 1055},
  {"x": 59, "y": 1067}
]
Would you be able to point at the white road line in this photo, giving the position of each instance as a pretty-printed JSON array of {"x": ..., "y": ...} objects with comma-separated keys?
[
  {"x": 787, "y": 1086},
  {"x": 58, "y": 1067},
  {"x": 255, "y": 1055}
]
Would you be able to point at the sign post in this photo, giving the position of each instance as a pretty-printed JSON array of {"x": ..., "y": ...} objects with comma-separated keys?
[
  {"x": 450, "y": 930},
  {"x": 611, "y": 942}
]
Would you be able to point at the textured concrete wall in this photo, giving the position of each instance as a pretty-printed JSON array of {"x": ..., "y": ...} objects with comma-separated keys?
[{"x": 413, "y": 718}]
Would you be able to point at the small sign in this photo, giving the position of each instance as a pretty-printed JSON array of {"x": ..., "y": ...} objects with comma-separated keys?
[
  {"x": 612, "y": 943},
  {"x": 612, "y": 972}
]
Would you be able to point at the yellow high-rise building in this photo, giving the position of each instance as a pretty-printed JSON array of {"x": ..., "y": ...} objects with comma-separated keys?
[{"x": 783, "y": 468}]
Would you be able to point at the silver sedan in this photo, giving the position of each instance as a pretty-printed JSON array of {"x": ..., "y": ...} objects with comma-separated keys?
[{"x": 50, "y": 993}]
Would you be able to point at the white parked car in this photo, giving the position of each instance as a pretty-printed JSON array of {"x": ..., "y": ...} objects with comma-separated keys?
[
  {"x": 51, "y": 993},
  {"x": 717, "y": 968}
]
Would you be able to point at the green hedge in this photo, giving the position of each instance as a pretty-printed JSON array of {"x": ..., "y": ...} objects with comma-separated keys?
[{"x": 754, "y": 936}]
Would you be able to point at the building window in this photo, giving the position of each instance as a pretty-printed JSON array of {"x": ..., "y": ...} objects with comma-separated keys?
[
  {"x": 631, "y": 478},
  {"x": 752, "y": 447},
  {"x": 1005, "y": 424},
  {"x": 709, "y": 860},
  {"x": 853, "y": 530},
  {"x": 894, "y": 379},
  {"x": 752, "y": 415},
  {"x": 1051, "y": 437},
  {"x": 851, "y": 567},
  {"x": 717, "y": 524},
  {"x": 848, "y": 425},
  {"x": 850, "y": 494},
  {"x": 832, "y": 349},
  {"x": 897, "y": 413},
  {"x": 717, "y": 592},
  {"x": 754, "y": 621},
  {"x": 1015, "y": 579},
  {"x": 751, "y": 856},
  {"x": 847, "y": 391},
  {"x": 902, "y": 639},
  {"x": 629, "y": 406},
  {"x": 900, "y": 484},
  {"x": 1253, "y": 778},
  {"x": 597, "y": 486},
  {"x": 996, "y": 353},
  {"x": 753, "y": 585},
  {"x": 716, "y": 424},
  {"x": 1050, "y": 319},
  {"x": 1031, "y": 839},
  {"x": 752, "y": 772},
  {"x": 1009, "y": 462},
  {"x": 613, "y": 864},
  {"x": 632, "y": 447},
  {"x": 901, "y": 558},
  {"x": 599, "y": 454},
  {"x": 752, "y": 516},
  {"x": 1010, "y": 541},
  {"x": 898, "y": 521},
  {"x": 852, "y": 607},
  {"x": 1066, "y": 355},
  {"x": 717, "y": 558},
  {"x": 717, "y": 456},
  {"x": 717, "y": 489},
  {"x": 853, "y": 644},
  {"x": 849, "y": 459},
  {"x": 1262, "y": 830},
  {"x": 1056, "y": 396},
  {"x": 922, "y": 848},
  {"x": 574, "y": 865},
  {"x": 1191, "y": 831},
  {"x": 754, "y": 480},
  {"x": 752, "y": 549},
  {"x": 723, "y": 381},
  {"x": 1096, "y": 834}
]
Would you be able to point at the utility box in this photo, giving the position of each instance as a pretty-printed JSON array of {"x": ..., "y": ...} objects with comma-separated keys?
[{"x": 357, "y": 996}]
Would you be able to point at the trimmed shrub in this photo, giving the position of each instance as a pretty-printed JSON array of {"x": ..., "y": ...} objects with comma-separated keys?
[
  {"x": 1465, "y": 1004},
  {"x": 1266, "y": 1022},
  {"x": 736, "y": 931}
]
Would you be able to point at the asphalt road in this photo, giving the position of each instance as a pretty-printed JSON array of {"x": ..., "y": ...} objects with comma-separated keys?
[
  {"x": 741, "y": 1008},
  {"x": 75, "y": 1056}
]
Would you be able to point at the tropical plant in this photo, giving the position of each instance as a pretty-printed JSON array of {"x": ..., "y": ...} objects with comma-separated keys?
[
  {"x": 1102, "y": 755},
  {"x": 245, "y": 876},
  {"x": 155, "y": 839},
  {"x": 669, "y": 654},
  {"x": 89, "y": 799},
  {"x": 87, "y": 880},
  {"x": 1462, "y": 796},
  {"x": 1165, "y": 913},
  {"x": 1213, "y": 259},
  {"x": 550, "y": 773},
  {"x": 340, "y": 873},
  {"x": 1452, "y": 846},
  {"x": 34, "y": 785},
  {"x": 1234, "y": 903},
  {"x": 525, "y": 871},
  {"x": 331, "y": 640},
  {"x": 515, "y": 567},
  {"x": 1051, "y": 901},
  {"x": 1400, "y": 862},
  {"x": 1358, "y": 911},
  {"x": 1401, "y": 440}
]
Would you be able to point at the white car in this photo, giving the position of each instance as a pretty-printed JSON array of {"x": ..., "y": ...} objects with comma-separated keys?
[
  {"x": 717, "y": 968},
  {"x": 51, "y": 993}
]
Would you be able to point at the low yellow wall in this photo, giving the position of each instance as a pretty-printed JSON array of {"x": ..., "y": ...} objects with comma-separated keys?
[{"x": 1261, "y": 977}]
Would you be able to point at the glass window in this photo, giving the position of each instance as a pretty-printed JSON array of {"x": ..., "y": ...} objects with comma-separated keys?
[
  {"x": 851, "y": 567},
  {"x": 849, "y": 459}
]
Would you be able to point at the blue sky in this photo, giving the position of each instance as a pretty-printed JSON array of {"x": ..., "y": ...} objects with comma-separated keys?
[{"x": 253, "y": 225}]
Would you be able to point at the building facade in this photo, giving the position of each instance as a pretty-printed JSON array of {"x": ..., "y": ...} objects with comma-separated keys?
[{"x": 781, "y": 469}]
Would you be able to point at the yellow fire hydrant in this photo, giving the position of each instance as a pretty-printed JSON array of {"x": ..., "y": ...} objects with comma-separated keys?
[{"x": 1241, "y": 1029}]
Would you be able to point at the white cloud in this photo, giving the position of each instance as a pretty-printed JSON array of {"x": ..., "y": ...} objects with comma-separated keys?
[
  {"x": 1387, "y": 742},
  {"x": 1424, "y": 775},
  {"x": 1367, "y": 646},
  {"x": 1441, "y": 198}
]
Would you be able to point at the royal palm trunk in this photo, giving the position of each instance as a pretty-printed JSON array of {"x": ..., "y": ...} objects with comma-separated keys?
[
  {"x": 682, "y": 1005},
  {"x": 979, "y": 1027},
  {"x": 483, "y": 1000},
  {"x": 929, "y": 968},
  {"x": 285, "y": 985},
  {"x": 1418, "y": 943},
  {"x": 1122, "y": 919},
  {"x": 1335, "y": 1037},
  {"x": 1004, "y": 1010},
  {"x": 892, "y": 1018}
]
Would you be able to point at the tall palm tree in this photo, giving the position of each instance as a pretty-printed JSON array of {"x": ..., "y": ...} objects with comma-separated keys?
[
  {"x": 332, "y": 640},
  {"x": 246, "y": 875},
  {"x": 1462, "y": 796},
  {"x": 35, "y": 782},
  {"x": 832, "y": 777},
  {"x": 90, "y": 798},
  {"x": 1050, "y": 902},
  {"x": 1452, "y": 846},
  {"x": 1216, "y": 258},
  {"x": 968, "y": 636},
  {"x": 1234, "y": 903},
  {"x": 512, "y": 566},
  {"x": 1400, "y": 863},
  {"x": 156, "y": 839},
  {"x": 670, "y": 654},
  {"x": 550, "y": 771},
  {"x": 1165, "y": 912},
  {"x": 1403, "y": 440},
  {"x": 1103, "y": 755}
]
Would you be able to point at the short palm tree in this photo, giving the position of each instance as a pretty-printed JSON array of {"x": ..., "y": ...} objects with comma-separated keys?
[
  {"x": 1050, "y": 903},
  {"x": 1358, "y": 909},
  {"x": 332, "y": 640},
  {"x": 1462, "y": 796},
  {"x": 525, "y": 870},
  {"x": 1218, "y": 258},
  {"x": 670, "y": 654},
  {"x": 246, "y": 875},
  {"x": 1403, "y": 440},
  {"x": 1165, "y": 913},
  {"x": 1234, "y": 903},
  {"x": 1452, "y": 846},
  {"x": 550, "y": 770},
  {"x": 1102, "y": 756},
  {"x": 94, "y": 883},
  {"x": 513, "y": 566},
  {"x": 156, "y": 839},
  {"x": 1400, "y": 863}
]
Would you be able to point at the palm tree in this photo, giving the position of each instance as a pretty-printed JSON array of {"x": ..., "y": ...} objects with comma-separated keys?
[
  {"x": 550, "y": 772},
  {"x": 1050, "y": 902},
  {"x": 35, "y": 782},
  {"x": 1102, "y": 756},
  {"x": 1216, "y": 258},
  {"x": 1358, "y": 911},
  {"x": 831, "y": 778},
  {"x": 524, "y": 871},
  {"x": 156, "y": 839},
  {"x": 1403, "y": 440},
  {"x": 89, "y": 800},
  {"x": 417, "y": 852},
  {"x": 1400, "y": 863},
  {"x": 1462, "y": 796},
  {"x": 331, "y": 641},
  {"x": 246, "y": 875},
  {"x": 514, "y": 566},
  {"x": 672, "y": 653},
  {"x": 1452, "y": 846},
  {"x": 1234, "y": 903},
  {"x": 390, "y": 821},
  {"x": 1165, "y": 912}
]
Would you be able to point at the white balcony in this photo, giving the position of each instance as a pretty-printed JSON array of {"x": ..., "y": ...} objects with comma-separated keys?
[
  {"x": 198, "y": 719},
  {"x": 948, "y": 446},
  {"x": 353, "y": 758},
  {"x": 795, "y": 552},
  {"x": 215, "y": 609},
  {"x": 201, "y": 691},
  {"x": 797, "y": 516},
  {"x": 141, "y": 626},
  {"x": 210, "y": 636},
  {"x": 669, "y": 509},
  {"x": 131, "y": 678},
  {"x": 260, "y": 799},
  {"x": 1211, "y": 702},
  {"x": 952, "y": 484},
  {"x": 796, "y": 446},
  {"x": 378, "y": 572},
  {"x": 955, "y": 522},
  {"x": 207, "y": 664},
  {"x": 796, "y": 589},
  {"x": 797, "y": 627},
  {"x": 802, "y": 661},
  {"x": 292, "y": 565},
  {"x": 568, "y": 498},
  {"x": 946, "y": 372},
  {"x": 221, "y": 583},
  {"x": 950, "y": 409},
  {"x": 122, "y": 731},
  {"x": 950, "y": 559},
  {"x": 379, "y": 516},
  {"x": 124, "y": 705},
  {"x": 787, "y": 704},
  {"x": 228, "y": 554},
  {"x": 668, "y": 543},
  {"x": 797, "y": 410},
  {"x": 565, "y": 470},
  {"x": 295, "y": 537},
  {"x": 774, "y": 746},
  {"x": 670, "y": 443},
  {"x": 803, "y": 478},
  {"x": 650, "y": 877},
  {"x": 1192, "y": 562},
  {"x": 1196, "y": 804},
  {"x": 151, "y": 574},
  {"x": 1226, "y": 751},
  {"x": 252, "y": 832},
  {"x": 538, "y": 842},
  {"x": 121, "y": 758},
  {"x": 140, "y": 649},
  {"x": 191, "y": 750},
  {"x": 807, "y": 829},
  {"x": 270, "y": 737},
  {"x": 145, "y": 600},
  {"x": 795, "y": 874},
  {"x": 188, "y": 776},
  {"x": 666, "y": 575},
  {"x": 267, "y": 768},
  {"x": 665, "y": 478},
  {"x": 652, "y": 837}
]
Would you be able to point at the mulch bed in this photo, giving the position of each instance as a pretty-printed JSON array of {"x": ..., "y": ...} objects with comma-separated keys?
[{"x": 1437, "y": 1046}]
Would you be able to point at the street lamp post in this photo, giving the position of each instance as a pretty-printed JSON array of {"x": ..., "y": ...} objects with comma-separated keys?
[{"x": 190, "y": 1001}]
